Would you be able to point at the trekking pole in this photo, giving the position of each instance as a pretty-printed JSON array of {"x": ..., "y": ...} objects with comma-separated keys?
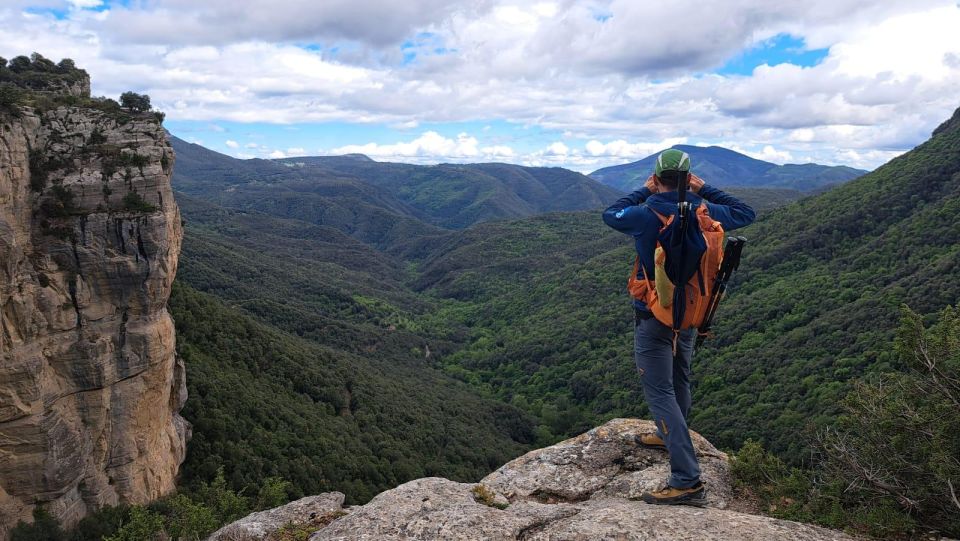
[
  {"x": 731, "y": 262},
  {"x": 683, "y": 214}
]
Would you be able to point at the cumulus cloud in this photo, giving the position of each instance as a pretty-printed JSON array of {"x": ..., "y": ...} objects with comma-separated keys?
[
  {"x": 429, "y": 147},
  {"x": 219, "y": 22},
  {"x": 611, "y": 73},
  {"x": 622, "y": 150},
  {"x": 231, "y": 144}
]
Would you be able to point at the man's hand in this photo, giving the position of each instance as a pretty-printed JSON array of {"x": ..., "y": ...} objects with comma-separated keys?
[
  {"x": 651, "y": 184},
  {"x": 695, "y": 183}
]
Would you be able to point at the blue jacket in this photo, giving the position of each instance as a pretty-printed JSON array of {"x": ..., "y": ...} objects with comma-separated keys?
[{"x": 632, "y": 215}]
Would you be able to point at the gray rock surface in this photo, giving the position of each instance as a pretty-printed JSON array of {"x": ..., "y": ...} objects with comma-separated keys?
[
  {"x": 90, "y": 384},
  {"x": 578, "y": 489},
  {"x": 258, "y": 526}
]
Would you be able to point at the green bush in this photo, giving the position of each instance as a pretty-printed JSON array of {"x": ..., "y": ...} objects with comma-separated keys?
[
  {"x": 900, "y": 440},
  {"x": 10, "y": 98},
  {"x": 44, "y": 528},
  {"x": 133, "y": 202},
  {"x": 142, "y": 525},
  {"x": 100, "y": 525},
  {"x": 274, "y": 492},
  {"x": 96, "y": 137},
  {"x": 60, "y": 203}
]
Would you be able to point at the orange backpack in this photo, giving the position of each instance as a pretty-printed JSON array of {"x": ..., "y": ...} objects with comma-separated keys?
[{"x": 657, "y": 293}]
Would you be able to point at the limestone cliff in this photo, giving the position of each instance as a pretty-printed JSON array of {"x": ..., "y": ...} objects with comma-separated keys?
[
  {"x": 90, "y": 384},
  {"x": 581, "y": 488}
]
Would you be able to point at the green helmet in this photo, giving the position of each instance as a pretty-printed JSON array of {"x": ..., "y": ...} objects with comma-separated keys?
[{"x": 672, "y": 160}]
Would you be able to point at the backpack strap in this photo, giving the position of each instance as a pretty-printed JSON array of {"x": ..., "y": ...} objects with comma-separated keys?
[{"x": 663, "y": 219}]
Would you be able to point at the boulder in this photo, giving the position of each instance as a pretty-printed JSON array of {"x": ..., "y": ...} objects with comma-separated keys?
[{"x": 259, "y": 526}]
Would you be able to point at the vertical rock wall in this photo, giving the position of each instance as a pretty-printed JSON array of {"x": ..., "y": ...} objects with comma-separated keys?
[{"x": 90, "y": 384}]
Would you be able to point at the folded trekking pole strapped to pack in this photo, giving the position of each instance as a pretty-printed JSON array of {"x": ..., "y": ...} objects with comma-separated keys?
[{"x": 730, "y": 263}]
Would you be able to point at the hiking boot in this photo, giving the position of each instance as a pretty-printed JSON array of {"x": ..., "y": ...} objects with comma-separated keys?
[
  {"x": 695, "y": 495},
  {"x": 652, "y": 440}
]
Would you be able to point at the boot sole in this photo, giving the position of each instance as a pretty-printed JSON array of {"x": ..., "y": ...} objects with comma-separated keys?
[
  {"x": 697, "y": 501},
  {"x": 658, "y": 447}
]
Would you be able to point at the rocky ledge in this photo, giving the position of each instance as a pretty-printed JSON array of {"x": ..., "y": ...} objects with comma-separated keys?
[{"x": 581, "y": 488}]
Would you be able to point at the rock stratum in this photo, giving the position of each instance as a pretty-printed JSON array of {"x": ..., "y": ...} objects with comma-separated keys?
[
  {"x": 90, "y": 384},
  {"x": 579, "y": 489}
]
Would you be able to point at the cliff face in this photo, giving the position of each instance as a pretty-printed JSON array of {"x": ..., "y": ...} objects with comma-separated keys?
[{"x": 90, "y": 385}]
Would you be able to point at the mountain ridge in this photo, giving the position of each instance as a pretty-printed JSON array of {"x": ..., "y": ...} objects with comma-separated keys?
[
  {"x": 350, "y": 189},
  {"x": 727, "y": 168}
]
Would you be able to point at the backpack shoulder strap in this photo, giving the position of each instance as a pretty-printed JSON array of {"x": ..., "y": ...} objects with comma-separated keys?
[{"x": 664, "y": 220}]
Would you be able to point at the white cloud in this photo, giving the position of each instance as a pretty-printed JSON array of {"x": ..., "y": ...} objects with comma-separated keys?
[
  {"x": 296, "y": 151},
  {"x": 429, "y": 147},
  {"x": 557, "y": 149},
  {"x": 767, "y": 153},
  {"x": 232, "y": 144},
  {"x": 623, "y": 84},
  {"x": 622, "y": 150},
  {"x": 277, "y": 154},
  {"x": 86, "y": 4}
]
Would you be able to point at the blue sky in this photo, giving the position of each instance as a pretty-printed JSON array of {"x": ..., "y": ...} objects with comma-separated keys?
[{"x": 577, "y": 84}]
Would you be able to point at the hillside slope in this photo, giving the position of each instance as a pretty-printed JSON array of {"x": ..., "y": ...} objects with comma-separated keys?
[
  {"x": 812, "y": 309},
  {"x": 459, "y": 195},
  {"x": 727, "y": 168},
  {"x": 265, "y": 402}
]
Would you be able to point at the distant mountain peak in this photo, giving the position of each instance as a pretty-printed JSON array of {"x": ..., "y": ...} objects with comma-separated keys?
[
  {"x": 358, "y": 157},
  {"x": 725, "y": 168}
]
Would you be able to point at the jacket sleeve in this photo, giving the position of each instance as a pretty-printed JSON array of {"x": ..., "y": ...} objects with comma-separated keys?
[
  {"x": 625, "y": 215},
  {"x": 731, "y": 212}
]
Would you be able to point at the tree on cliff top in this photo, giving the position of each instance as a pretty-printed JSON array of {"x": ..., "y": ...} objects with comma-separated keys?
[{"x": 138, "y": 103}]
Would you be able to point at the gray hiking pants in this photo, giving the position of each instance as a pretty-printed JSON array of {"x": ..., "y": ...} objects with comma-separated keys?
[{"x": 666, "y": 386}]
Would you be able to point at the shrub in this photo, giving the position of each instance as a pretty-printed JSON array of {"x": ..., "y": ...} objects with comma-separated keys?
[
  {"x": 273, "y": 493},
  {"x": 96, "y": 137},
  {"x": 484, "y": 495},
  {"x": 133, "y": 202},
  {"x": 44, "y": 528},
  {"x": 899, "y": 442},
  {"x": 61, "y": 202},
  {"x": 10, "y": 98},
  {"x": 102, "y": 524},
  {"x": 142, "y": 525}
]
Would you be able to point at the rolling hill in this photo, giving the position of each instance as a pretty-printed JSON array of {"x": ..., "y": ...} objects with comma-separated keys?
[
  {"x": 382, "y": 202},
  {"x": 727, "y": 169}
]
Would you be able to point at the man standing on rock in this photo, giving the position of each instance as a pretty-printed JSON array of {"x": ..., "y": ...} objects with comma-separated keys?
[{"x": 662, "y": 355}]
